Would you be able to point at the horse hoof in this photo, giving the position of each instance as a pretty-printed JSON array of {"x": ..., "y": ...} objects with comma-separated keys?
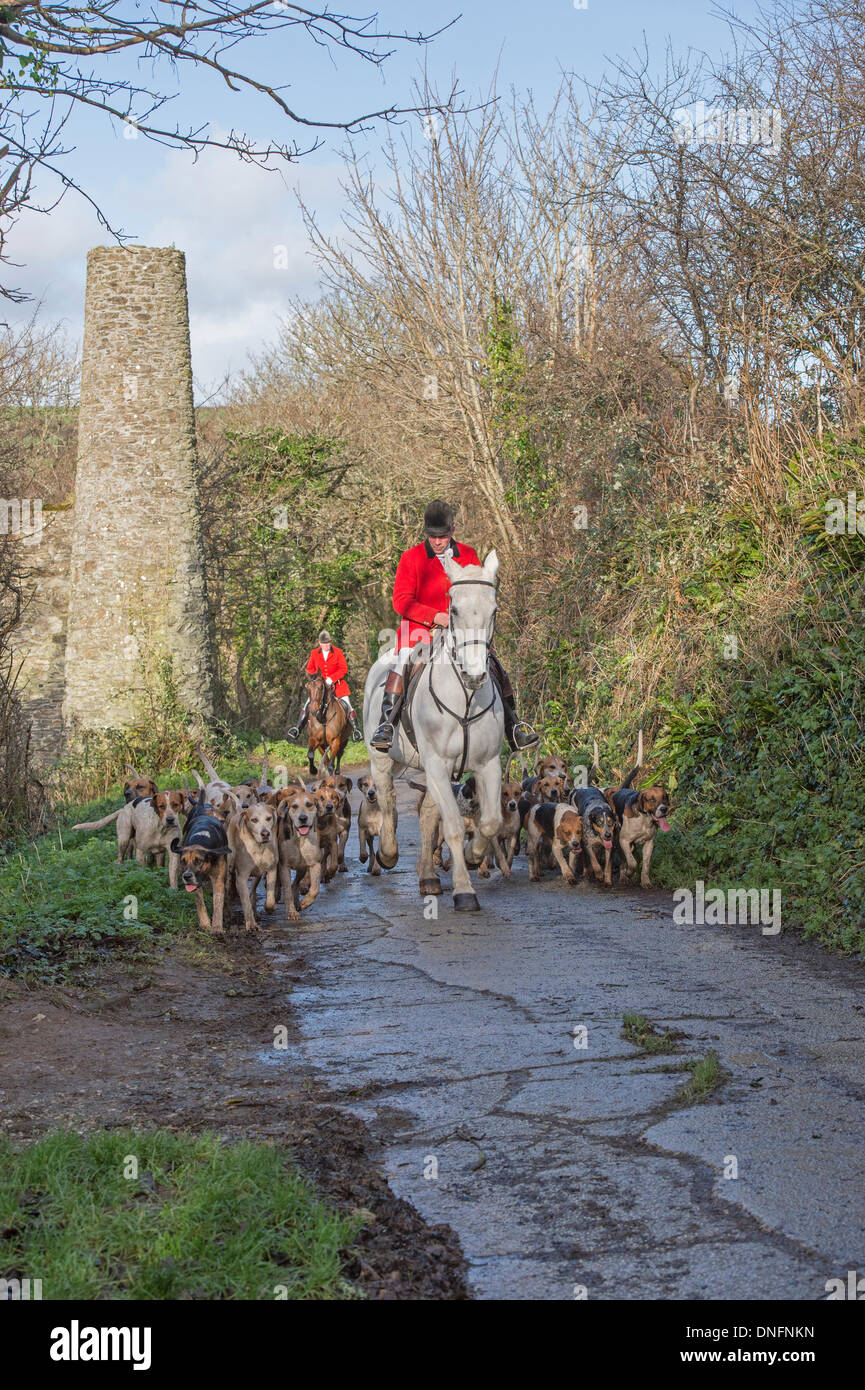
[
  {"x": 387, "y": 861},
  {"x": 430, "y": 887},
  {"x": 466, "y": 902}
]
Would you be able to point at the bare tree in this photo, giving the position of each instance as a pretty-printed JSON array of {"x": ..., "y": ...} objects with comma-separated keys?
[{"x": 59, "y": 57}]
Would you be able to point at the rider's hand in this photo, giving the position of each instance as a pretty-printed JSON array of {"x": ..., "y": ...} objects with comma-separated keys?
[
  {"x": 328, "y": 681},
  {"x": 441, "y": 620}
]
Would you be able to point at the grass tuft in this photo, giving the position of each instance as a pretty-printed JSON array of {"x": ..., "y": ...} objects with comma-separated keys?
[
  {"x": 199, "y": 1220},
  {"x": 638, "y": 1030},
  {"x": 706, "y": 1076}
]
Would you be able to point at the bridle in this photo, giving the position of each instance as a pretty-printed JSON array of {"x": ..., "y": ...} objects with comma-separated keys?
[
  {"x": 467, "y": 718},
  {"x": 323, "y": 703},
  {"x": 469, "y": 642}
]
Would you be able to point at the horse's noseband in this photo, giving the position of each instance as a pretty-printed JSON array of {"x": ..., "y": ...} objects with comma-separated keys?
[{"x": 468, "y": 642}]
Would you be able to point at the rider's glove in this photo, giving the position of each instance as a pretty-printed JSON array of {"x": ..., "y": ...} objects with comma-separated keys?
[{"x": 328, "y": 681}]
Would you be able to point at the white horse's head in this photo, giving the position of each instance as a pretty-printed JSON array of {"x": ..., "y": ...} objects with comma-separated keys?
[{"x": 472, "y": 616}]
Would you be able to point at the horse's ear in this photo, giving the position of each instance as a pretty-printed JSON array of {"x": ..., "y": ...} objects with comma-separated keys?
[
  {"x": 451, "y": 568},
  {"x": 491, "y": 565}
]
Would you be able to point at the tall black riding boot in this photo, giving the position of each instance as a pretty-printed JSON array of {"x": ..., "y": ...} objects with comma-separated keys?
[
  {"x": 391, "y": 702},
  {"x": 295, "y": 730},
  {"x": 518, "y": 735}
]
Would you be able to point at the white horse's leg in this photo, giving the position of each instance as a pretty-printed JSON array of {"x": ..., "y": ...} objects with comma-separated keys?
[
  {"x": 428, "y": 817},
  {"x": 388, "y": 850},
  {"x": 439, "y": 783},
  {"x": 488, "y": 823}
]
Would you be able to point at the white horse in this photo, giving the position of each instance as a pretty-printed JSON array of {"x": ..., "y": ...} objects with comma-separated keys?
[{"x": 458, "y": 720}]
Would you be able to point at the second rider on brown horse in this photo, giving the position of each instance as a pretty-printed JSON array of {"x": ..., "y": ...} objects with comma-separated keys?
[{"x": 329, "y": 661}]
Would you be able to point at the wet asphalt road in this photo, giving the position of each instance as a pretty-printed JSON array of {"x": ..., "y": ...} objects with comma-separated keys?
[{"x": 566, "y": 1169}]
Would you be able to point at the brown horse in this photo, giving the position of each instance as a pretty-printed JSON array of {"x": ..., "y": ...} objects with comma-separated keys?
[{"x": 328, "y": 725}]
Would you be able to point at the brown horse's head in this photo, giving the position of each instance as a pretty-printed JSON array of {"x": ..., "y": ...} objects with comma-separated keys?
[{"x": 318, "y": 696}]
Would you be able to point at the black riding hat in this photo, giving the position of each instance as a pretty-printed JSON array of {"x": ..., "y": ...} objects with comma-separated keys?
[{"x": 438, "y": 518}]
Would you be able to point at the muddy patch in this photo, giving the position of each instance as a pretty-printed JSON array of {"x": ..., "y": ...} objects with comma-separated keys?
[{"x": 184, "y": 1045}]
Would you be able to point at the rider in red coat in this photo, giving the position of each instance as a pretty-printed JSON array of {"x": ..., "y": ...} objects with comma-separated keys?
[
  {"x": 420, "y": 589},
  {"x": 421, "y": 599},
  {"x": 331, "y": 662}
]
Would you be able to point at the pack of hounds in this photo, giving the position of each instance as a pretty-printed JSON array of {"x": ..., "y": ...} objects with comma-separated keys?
[{"x": 231, "y": 837}]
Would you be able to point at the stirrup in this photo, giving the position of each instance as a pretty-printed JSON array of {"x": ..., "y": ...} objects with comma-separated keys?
[
  {"x": 293, "y": 733},
  {"x": 383, "y": 737},
  {"x": 523, "y": 736},
  {"x": 356, "y": 734}
]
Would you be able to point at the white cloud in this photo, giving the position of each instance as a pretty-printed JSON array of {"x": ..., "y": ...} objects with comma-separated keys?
[{"x": 228, "y": 217}]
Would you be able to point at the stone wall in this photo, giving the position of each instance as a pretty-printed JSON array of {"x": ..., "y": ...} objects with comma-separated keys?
[
  {"x": 40, "y": 642},
  {"x": 137, "y": 586}
]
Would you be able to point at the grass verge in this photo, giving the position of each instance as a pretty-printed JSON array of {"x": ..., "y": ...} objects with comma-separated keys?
[
  {"x": 198, "y": 1220},
  {"x": 67, "y": 901}
]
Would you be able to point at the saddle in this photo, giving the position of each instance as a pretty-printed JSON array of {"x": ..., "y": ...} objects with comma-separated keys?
[{"x": 413, "y": 668}]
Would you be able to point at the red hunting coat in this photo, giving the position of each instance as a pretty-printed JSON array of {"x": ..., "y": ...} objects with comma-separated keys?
[
  {"x": 333, "y": 665},
  {"x": 421, "y": 589}
]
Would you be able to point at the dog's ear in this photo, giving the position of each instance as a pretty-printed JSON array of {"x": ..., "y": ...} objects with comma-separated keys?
[
  {"x": 608, "y": 797},
  {"x": 469, "y": 786},
  {"x": 175, "y": 845},
  {"x": 219, "y": 849},
  {"x": 350, "y": 783}
]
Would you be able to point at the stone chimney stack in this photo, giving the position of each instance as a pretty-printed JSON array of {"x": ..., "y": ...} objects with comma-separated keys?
[{"x": 137, "y": 586}]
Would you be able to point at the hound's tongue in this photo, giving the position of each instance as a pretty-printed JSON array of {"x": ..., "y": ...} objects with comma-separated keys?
[
  {"x": 304, "y": 829},
  {"x": 190, "y": 887},
  {"x": 608, "y": 844},
  {"x": 662, "y": 822}
]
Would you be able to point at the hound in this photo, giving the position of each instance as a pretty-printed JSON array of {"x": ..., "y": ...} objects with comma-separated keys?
[
  {"x": 557, "y": 828},
  {"x": 466, "y": 797},
  {"x": 369, "y": 820},
  {"x": 254, "y": 855},
  {"x": 155, "y": 823},
  {"x": 641, "y": 814},
  {"x": 138, "y": 784},
  {"x": 327, "y": 803},
  {"x": 340, "y": 785},
  {"x": 550, "y": 786},
  {"x": 599, "y": 830},
  {"x": 506, "y": 842},
  {"x": 129, "y": 823},
  {"x": 215, "y": 790},
  {"x": 300, "y": 850},
  {"x": 203, "y": 858}
]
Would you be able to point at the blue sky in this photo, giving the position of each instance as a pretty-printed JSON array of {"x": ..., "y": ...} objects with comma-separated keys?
[{"x": 228, "y": 217}]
